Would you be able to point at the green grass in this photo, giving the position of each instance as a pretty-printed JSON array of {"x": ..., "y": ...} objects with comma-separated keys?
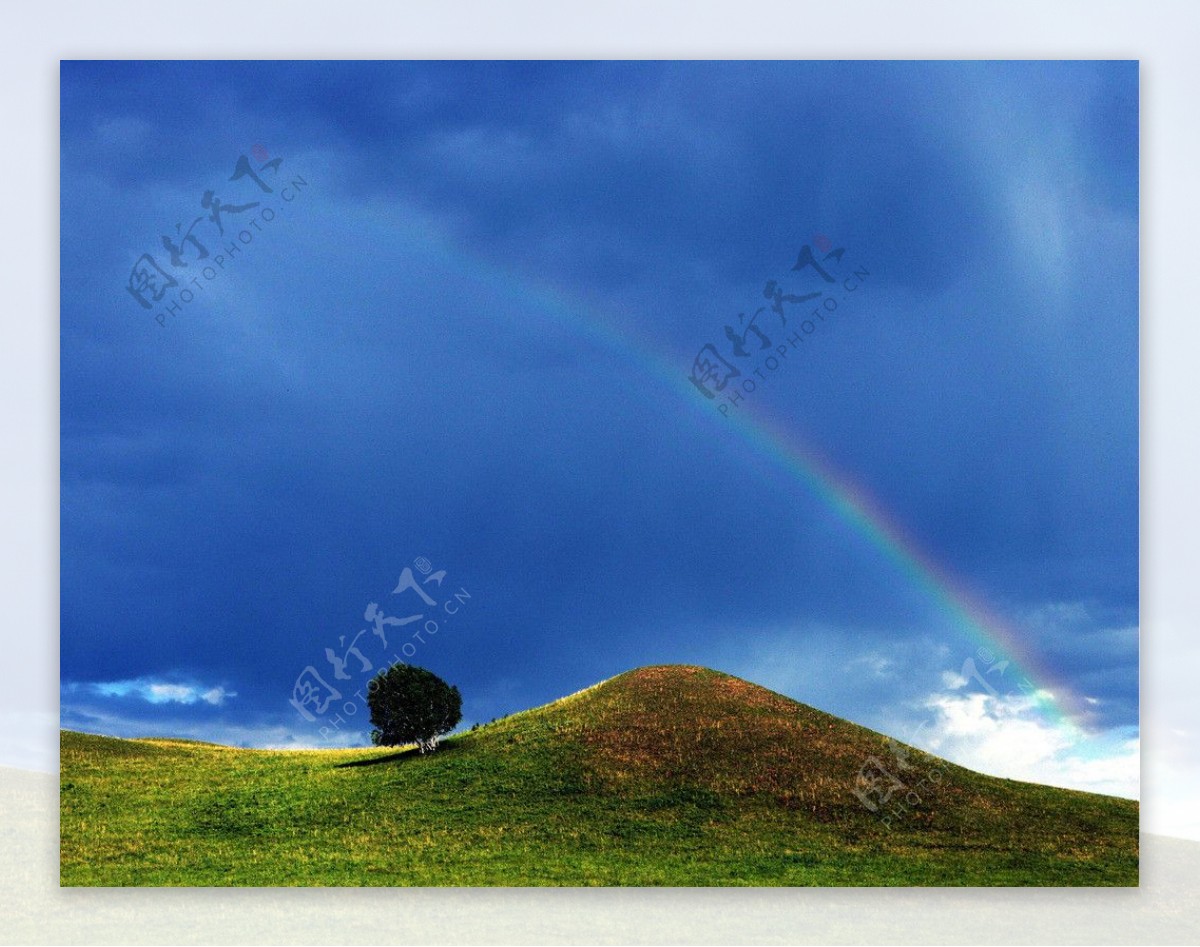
[{"x": 661, "y": 776}]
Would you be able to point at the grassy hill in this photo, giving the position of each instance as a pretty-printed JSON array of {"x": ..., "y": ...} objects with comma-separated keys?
[{"x": 660, "y": 776}]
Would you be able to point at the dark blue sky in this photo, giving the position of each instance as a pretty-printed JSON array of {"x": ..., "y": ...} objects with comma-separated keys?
[{"x": 468, "y": 338}]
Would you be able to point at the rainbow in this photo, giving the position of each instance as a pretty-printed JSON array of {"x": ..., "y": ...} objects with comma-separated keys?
[
  {"x": 856, "y": 507},
  {"x": 837, "y": 491}
]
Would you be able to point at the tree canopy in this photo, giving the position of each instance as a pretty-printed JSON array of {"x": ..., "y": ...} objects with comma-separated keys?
[{"x": 412, "y": 705}]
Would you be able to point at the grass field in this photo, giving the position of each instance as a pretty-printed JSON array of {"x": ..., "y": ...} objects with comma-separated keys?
[{"x": 660, "y": 776}]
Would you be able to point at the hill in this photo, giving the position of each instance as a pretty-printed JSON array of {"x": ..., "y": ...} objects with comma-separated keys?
[{"x": 660, "y": 776}]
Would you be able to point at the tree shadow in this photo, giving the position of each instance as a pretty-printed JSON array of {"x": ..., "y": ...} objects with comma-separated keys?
[{"x": 411, "y": 753}]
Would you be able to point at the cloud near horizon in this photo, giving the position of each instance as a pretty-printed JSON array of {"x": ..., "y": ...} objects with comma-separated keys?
[
  {"x": 1004, "y": 735},
  {"x": 152, "y": 691}
]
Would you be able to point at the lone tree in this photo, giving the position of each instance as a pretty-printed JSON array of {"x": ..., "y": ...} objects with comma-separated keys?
[{"x": 412, "y": 705}]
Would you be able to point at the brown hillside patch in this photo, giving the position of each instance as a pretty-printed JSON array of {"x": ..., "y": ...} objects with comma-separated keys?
[{"x": 683, "y": 725}]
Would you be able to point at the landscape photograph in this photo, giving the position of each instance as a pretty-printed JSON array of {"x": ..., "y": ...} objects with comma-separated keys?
[{"x": 599, "y": 473}]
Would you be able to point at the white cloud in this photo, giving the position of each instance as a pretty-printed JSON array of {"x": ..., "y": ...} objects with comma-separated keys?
[
  {"x": 1006, "y": 735},
  {"x": 163, "y": 693},
  {"x": 157, "y": 692},
  {"x": 876, "y": 663}
]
